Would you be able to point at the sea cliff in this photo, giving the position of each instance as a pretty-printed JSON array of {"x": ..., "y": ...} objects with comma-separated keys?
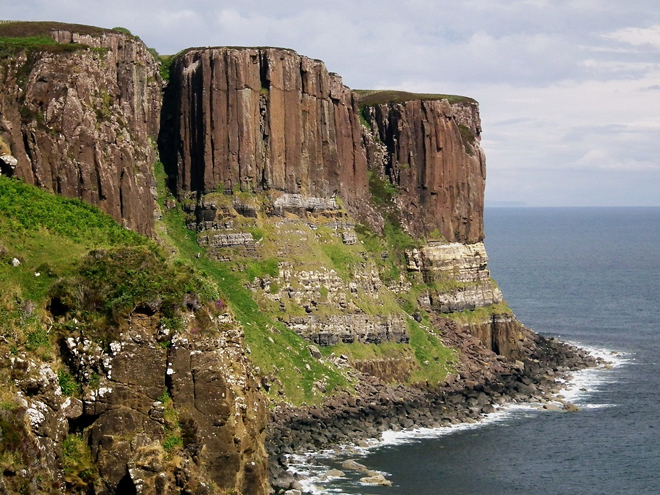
[{"x": 291, "y": 264}]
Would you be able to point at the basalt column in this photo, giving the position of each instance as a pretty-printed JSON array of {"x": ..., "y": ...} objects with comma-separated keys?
[{"x": 255, "y": 119}]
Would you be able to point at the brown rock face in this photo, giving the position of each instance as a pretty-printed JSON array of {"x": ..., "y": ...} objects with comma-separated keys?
[
  {"x": 263, "y": 118},
  {"x": 434, "y": 158},
  {"x": 78, "y": 119},
  {"x": 259, "y": 119},
  {"x": 198, "y": 394}
]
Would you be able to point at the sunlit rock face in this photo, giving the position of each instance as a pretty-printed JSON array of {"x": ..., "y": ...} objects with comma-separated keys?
[{"x": 81, "y": 121}]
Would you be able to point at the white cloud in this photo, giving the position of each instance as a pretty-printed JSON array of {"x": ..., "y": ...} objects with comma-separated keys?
[{"x": 637, "y": 36}]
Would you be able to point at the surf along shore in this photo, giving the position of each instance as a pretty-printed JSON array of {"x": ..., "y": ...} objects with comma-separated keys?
[{"x": 469, "y": 394}]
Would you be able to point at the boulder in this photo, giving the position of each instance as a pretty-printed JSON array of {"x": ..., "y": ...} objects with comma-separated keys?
[{"x": 375, "y": 479}]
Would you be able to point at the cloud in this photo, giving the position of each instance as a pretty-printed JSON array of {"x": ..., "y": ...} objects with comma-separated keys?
[{"x": 637, "y": 36}]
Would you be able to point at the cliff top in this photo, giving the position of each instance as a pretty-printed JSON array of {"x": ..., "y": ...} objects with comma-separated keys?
[
  {"x": 23, "y": 29},
  {"x": 43, "y": 36},
  {"x": 380, "y": 97},
  {"x": 233, "y": 47}
]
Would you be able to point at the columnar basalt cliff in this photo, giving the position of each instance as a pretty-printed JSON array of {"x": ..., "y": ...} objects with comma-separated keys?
[
  {"x": 314, "y": 245},
  {"x": 269, "y": 119},
  {"x": 256, "y": 119},
  {"x": 433, "y": 156},
  {"x": 78, "y": 117}
]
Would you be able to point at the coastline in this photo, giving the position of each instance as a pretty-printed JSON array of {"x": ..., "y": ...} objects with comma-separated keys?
[{"x": 351, "y": 424}]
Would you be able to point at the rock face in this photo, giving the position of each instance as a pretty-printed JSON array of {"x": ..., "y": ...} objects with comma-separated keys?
[
  {"x": 78, "y": 117},
  {"x": 433, "y": 156},
  {"x": 349, "y": 328},
  {"x": 462, "y": 273},
  {"x": 268, "y": 119},
  {"x": 196, "y": 398},
  {"x": 255, "y": 119}
]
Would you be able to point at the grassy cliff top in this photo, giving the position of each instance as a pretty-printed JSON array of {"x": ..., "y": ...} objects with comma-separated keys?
[
  {"x": 23, "y": 29},
  {"x": 17, "y": 36},
  {"x": 381, "y": 97}
]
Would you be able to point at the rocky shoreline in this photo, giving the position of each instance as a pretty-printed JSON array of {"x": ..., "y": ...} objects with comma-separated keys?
[{"x": 538, "y": 376}]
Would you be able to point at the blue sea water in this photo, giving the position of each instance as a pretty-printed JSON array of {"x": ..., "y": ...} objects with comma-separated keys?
[{"x": 590, "y": 276}]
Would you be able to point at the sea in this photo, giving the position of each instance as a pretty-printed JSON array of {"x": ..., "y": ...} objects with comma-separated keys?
[{"x": 590, "y": 276}]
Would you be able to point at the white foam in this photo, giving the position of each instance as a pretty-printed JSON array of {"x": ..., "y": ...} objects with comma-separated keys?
[{"x": 584, "y": 383}]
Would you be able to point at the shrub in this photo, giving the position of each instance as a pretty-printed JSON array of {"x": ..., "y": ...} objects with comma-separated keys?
[
  {"x": 77, "y": 461},
  {"x": 68, "y": 384}
]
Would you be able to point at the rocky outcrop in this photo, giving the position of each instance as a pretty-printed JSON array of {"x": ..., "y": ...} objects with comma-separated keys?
[
  {"x": 456, "y": 261},
  {"x": 457, "y": 274},
  {"x": 350, "y": 328},
  {"x": 155, "y": 392},
  {"x": 160, "y": 413},
  {"x": 458, "y": 279},
  {"x": 78, "y": 118},
  {"x": 503, "y": 333},
  {"x": 254, "y": 119}
]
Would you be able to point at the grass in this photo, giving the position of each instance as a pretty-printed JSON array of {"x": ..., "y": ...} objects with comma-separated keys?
[
  {"x": 68, "y": 384},
  {"x": 381, "y": 97},
  {"x": 27, "y": 209},
  {"x": 343, "y": 260},
  {"x": 429, "y": 360},
  {"x": 468, "y": 138},
  {"x": 23, "y": 29},
  {"x": 262, "y": 268},
  {"x": 22, "y": 36},
  {"x": 165, "y": 67},
  {"x": 100, "y": 272},
  {"x": 480, "y": 315},
  {"x": 74, "y": 256},
  {"x": 383, "y": 192},
  {"x": 49, "y": 236},
  {"x": 76, "y": 458}
]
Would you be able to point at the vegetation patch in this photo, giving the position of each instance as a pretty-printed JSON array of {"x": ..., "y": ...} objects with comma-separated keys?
[
  {"x": 23, "y": 29},
  {"x": 68, "y": 384},
  {"x": 468, "y": 138},
  {"x": 111, "y": 284},
  {"x": 343, "y": 260},
  {"x": 435, "y": 359},
  {"x": 76, "y": 457},
  {"x": 480, "y": 315},
  {"x": 27, "y": 209},
  {"x": 381, "y": 97},
  {"x": 383, "y": 192},
  {"x": 262, "y": 268},
  {"x": 19, "y": 36}
]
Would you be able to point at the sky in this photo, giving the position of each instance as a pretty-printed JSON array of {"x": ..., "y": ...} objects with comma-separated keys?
[{"x": 569, "y": 90}]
